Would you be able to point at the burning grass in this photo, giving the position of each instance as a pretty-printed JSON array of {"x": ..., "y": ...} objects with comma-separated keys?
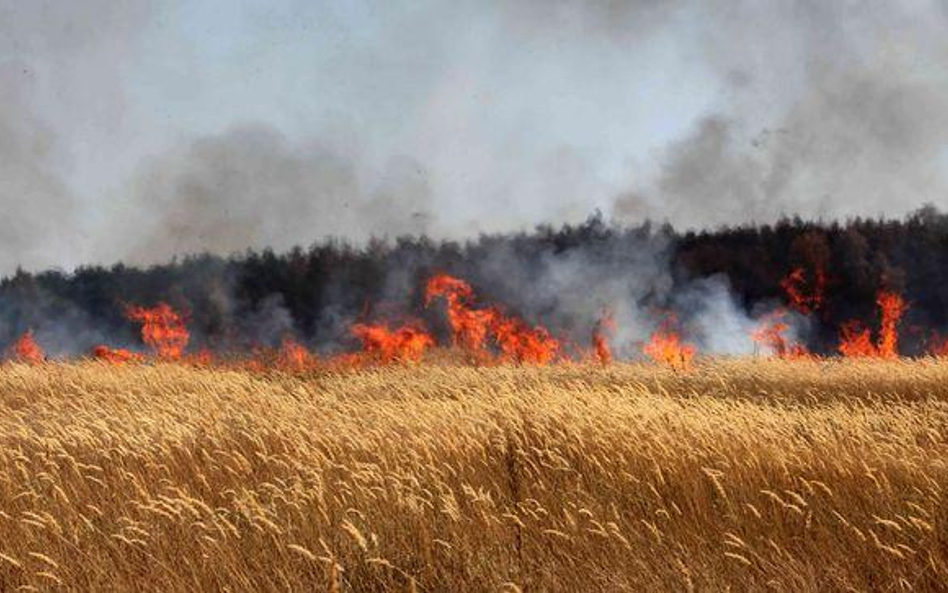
[
  {"x": 749, "y": 474},
  {"x": 488, "y": 335}
]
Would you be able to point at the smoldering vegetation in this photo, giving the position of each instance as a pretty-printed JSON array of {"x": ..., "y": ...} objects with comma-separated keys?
[{"x": 717, "y": 284}]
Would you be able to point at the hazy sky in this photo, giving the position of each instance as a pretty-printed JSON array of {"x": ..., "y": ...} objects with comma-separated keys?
[{"x": 137, "y": 130}]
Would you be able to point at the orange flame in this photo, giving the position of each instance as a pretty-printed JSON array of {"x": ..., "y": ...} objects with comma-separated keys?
[
  {"x": 520, "y": 343},
  {"x": 202, "y": 358},
  {"x": 666, "y": 347},
  {"x": 770, "y": 334},
  {"x": 488, "y": 331},
  {"x": 163, "y": 329},
  {"x": 805, "y": 299},
  {"x": 892, "y": 306},
  {"x": 604, "y": 327},
  {"x": 27, "y": 350},
  {"x": 407, "y": 343},
  {"x": 115, "y": 355},
  {"x": 856, "y": 338},
  {"x": 293, "y": 356},
  {"x": 470, "y": 327}
]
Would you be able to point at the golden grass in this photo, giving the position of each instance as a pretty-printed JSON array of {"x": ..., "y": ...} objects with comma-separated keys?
[{"x": 744, "y": 474}]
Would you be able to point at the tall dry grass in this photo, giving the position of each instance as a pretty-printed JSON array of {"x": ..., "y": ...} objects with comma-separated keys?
[{"x": 743, "y": 474}]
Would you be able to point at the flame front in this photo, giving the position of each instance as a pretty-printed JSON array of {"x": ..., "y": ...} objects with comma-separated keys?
[
  {"x": 163, "y": 329},
  {"x": 492, "y": 335},
  {"x": 666, "y": 347},
  {"x": 892, "y": 307},
  {"x": 770, "y": 334},
  {"x": 802, "y": 294},
  {"x": 25, "y": 349},
  {"x": 856, "y": 338},
  {"x": 604, "y": 327},
  {"x": 293, "y": 356},
  {"x": 471, "y": 328},
  {"x": 520, "y": 343},
  {"x": 115, "y": 355},
  {"x": 407, "y": 343}
]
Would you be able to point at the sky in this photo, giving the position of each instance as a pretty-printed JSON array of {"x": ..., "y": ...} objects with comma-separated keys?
[{"x": 134, "y": 130}]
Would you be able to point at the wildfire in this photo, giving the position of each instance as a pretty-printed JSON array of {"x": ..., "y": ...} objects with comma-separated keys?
[
  {"x": 604, "y": 327},
  {"x": 491, "y": 335},
  {"x": 471, "y": 328},
  {"x": 937, "y": 345},
  {"x": 163, "y": 329},
  {"x": 521, "y": 343},
  {"x": 856, "y": 338},
  {"x": 293, "y": 356},
  {"x": 202, "y": 358},
  {"x": 892, "y": 307},
  {"x": 666, "y": 347},
  {"x": 770, "y": 334},
  {"x": 406, "y": 343},
  {"x": 801, "y": 296},
  {"x": 115, "y": 355},
  {"x": 26, "y": 350}
]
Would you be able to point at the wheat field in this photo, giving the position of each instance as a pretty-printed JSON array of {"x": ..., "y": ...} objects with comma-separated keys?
[{"x": 738, "y": 474}]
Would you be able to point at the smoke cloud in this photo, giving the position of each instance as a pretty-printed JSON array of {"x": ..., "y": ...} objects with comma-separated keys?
[
  {"x": 143, "y": 130},
  {"x": 32, "y": 194},
  {"x": 826, "y": 112},
  {"x": 251, "y": 188}
]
